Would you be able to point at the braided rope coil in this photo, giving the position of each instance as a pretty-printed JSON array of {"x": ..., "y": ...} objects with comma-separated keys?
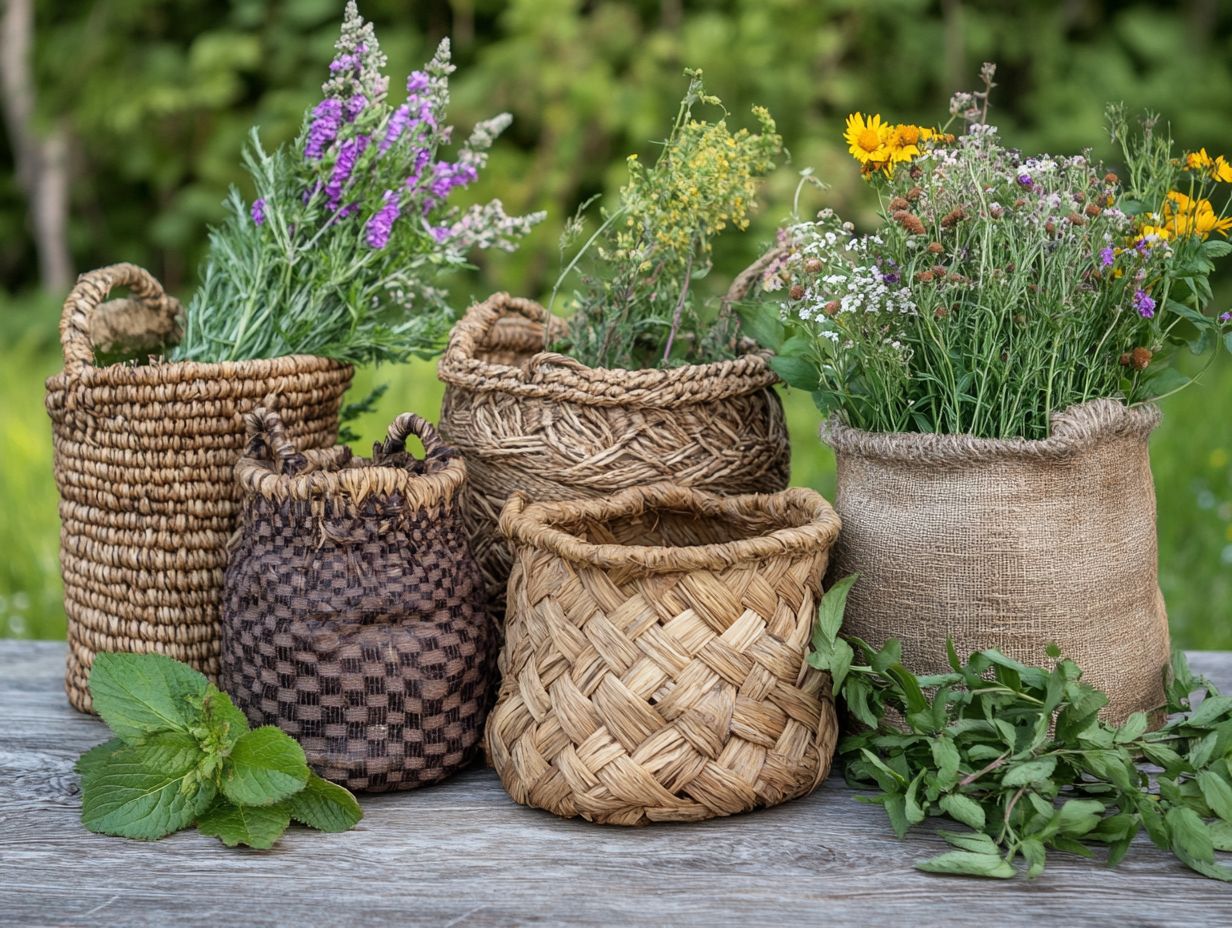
[
  {"x": 144, "y": 461},
  {"x": 539, "y": 423},
  {"x": 654, "y": 661}
]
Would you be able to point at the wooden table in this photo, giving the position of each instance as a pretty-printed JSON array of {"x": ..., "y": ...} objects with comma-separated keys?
[{"x": 464, "y": 854}]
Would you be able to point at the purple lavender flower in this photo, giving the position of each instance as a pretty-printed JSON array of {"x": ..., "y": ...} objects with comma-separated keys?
[
  {"x": 1144, "y": 304},
  {"x": 417, "y": 82},
  {"x": 355, "y": 106},
  {"x": 1107, "y": 256},
  {"x": 258, "y": 211},
  {"x": 398, "y": 123},
  {"x": 348, "y": 154},
  {"x": 382, "y": 222},
  {"x": 327, "y": 119},
  {"x": 1226, "y": 317},
  {"x": 1024, "y": 180}
]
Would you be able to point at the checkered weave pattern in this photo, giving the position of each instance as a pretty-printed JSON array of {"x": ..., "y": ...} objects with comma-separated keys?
[
  {"x": 352, "y": 611},
  {"x": 654, "y": 662}
]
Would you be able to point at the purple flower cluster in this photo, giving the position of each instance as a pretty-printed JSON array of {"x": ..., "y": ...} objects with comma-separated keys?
[
  {"x": 326, "y": 121},
  {"x": 382, "y": 222},
  {"x": 348, "y": 155},
  {"x": 1145, "y": 304},
  {"x": 258, "y": 211},
  {"x": 1107, "y": 256}
]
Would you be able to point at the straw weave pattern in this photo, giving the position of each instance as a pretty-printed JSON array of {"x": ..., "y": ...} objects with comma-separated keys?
[
  {"x": 144, "y": 461},
  {"x": 352, "y": 616},
  {"x": 1010, "y": 544},
  {"x": 654, "y": 660},
  {"x": 539, "y": 423}
]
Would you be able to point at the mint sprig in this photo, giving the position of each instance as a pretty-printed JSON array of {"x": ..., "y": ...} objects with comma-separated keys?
[
  {"x": 1019, "y": 756},
  {"x": 184, "y": 754}
]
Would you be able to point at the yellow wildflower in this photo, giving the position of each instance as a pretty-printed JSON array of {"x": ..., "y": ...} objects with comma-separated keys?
[
  {"x": 1185, "y": 216},
  {"x": 1197, "y": 160},
  {"x": 1221, "y": 170},
  {"x": 868, "y": 139},
  {"x": 904, "y": 142}
]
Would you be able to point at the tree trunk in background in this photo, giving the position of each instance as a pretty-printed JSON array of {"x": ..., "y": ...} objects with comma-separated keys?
[{"x": 41, "y": 160}]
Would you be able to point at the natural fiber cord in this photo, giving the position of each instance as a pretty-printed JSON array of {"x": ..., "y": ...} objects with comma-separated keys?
[
  {"x": 144, "y": 463},
  {"x": 353, "y": 615},
  {"x": 654, "y": 662},
  {"x": 1011, "y": 545},
  {"x": 535, "y": 422}
]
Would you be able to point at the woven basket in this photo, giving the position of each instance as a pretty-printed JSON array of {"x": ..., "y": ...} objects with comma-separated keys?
[
  {"x": 537, "y": 422},
  {"x": 1010, "y": 544},
  {"x": 654, "y": 661},
  {"x": 144, "y": 462},
  {"x": 353, "y": 614}
]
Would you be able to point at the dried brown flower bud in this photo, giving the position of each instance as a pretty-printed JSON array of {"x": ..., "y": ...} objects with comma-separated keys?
[
  {"x": 1124, "y": 360},
  {"x": 1075, "y": 219},
  {"x": 832, "y": 307},
  {"x": 1110, "y": 178},
  {"x": 1050, "y": 227},
  {"x": 1140, "y": 358},
  {"x": 916, "y": 172},
  {"x": 898, "y": 203},
  {"x": 924, "y": 277},
  {"x": 813, "y": 265},
  {"x": 953, "y": 217},
  {"x": 1020, "y": 203},
  {"x": 996, "y": 212},
  {"x": 940, "y": 270},
  {"x": 914, "y": 194},
  {"x": 796, "y": 292},
  {"x": 909, "y": 221},
  {"x": 1010, "y": 267},
  {"x": 1092, "y": 210},
  {"x": 940, "y": 312},
  {"x": 936, "y": 248}
]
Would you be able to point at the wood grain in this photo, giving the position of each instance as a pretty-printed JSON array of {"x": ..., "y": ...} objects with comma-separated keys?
[{"x": 463, "y": 854}]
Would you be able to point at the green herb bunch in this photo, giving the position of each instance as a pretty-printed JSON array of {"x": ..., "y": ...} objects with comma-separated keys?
[
  {"x": 1019, "y": 755},
  {"x": 183, "y": 753},
  {"x": 635, "y": 307},
  {"x": 1001, "y": 288}
]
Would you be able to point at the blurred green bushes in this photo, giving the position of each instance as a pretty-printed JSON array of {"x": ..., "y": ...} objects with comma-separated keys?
[{"x": 157, "y": 97}]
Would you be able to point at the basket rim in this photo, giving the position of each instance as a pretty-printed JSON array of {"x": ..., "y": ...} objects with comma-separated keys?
[
  {"x": 163, "y": 372},
  {"x": 1074, "y": 430},
  {"x": 549, "y": 375},
  {"x": 810, "y": 525}
]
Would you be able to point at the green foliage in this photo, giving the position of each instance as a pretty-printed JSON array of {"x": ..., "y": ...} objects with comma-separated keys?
[
  {"x": 184, "y": 754},
  {"x": 635, "y": 308},
  {"x": 1019, "y": 755}
]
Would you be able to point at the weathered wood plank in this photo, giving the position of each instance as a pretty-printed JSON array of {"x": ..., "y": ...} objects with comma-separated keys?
[{"x": 463, "y": 854}]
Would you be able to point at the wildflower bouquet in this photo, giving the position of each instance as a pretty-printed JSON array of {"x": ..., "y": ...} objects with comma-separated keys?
[
  {"x": 635, "y": 307},
  {"x": 1000, "y": 288},
  {"x": 340, "y": 252}
]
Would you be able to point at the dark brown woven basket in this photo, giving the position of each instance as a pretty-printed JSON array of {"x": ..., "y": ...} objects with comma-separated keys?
[
  {"x": 353, "y": 616},
  {"x": 145, "y": 467}
]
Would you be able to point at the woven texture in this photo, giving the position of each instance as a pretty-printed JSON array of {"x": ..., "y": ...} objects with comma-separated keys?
[
  {"x": 540, "y": 423},
  {"x": 144, "y": 463},
  {"x": 1010, "y": 544},
  {"x": 353, "y": 612},
  {"x": 654, "y": 660}
]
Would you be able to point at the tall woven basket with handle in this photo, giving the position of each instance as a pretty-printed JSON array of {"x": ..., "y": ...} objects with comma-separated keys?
[
  {"x": 654, "y": 662},
  {"x": 534, "y": 421},
  {"x": 144, "y": 460}
]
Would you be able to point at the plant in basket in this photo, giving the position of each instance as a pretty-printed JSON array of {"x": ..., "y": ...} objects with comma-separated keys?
[
  {"x": 337, "y": 260},
  {"x": 645, "y": 381},
  {"x": 987, "y": 358}
]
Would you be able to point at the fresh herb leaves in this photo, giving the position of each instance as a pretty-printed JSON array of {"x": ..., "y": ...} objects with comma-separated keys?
[
  {"x": 184, "y": 754},
  {"x": 1019, "y": 755}
]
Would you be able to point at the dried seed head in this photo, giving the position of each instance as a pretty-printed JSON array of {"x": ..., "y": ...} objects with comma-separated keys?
[
  {"x": 1050, "y": 227},
  {"x": 1110, "y": 178},
  {"x": 1124, "y": 360},
  {"x": 1092, "y": 210},
  {"x": 924, "y": 277},
  {"x": 909, "y": 221},
  {"x": 1140, "y": 358},
  {"x": 1076, "y": 219},
  {"x": 936, "y": 248},
  {"x": 916, "y": 172},
  {"x": 1010, "y": 267},
  {"x": 953, "y": 217},
  {"x": 914, "y": 194},
  {"x": 796, "y": 292},
  {"x": 898, "y": 203},
  {"x": 813, "y": 265},
  {"x": 940, "y": 312},
  {"x": 1020, "y": 203},
  {"x": 996, "y": 212},
  {"x": 831, "y": 308}
]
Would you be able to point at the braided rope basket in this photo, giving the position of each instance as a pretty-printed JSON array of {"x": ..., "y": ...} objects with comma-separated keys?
[
  {"x": 654, "y": 661},
  {"x": 537, "y": 422},
  {"x": 144, "y": 461},
  {"x": 353, "y": 615}
]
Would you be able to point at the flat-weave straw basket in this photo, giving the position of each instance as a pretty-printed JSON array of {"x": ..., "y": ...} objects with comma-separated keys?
[
  {"x": 1010, "y": 544},
  {"x": 654, "y": 661},
  {"x": 537, "y": 422},
  {"x": 353, "y": 617},
  {"x": 144, "y": 460}
]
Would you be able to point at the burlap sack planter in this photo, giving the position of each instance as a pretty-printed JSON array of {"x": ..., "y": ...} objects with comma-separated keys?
[
  {"x": 654, "y": 659},
  {"x": 144, "y": 463},
  {"x": 537, "y": 422},
  {"x": 1010, "y": 544},
  {"x": 353, "y": 615}
]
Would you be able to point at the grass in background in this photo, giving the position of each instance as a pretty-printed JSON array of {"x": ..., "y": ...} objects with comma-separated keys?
[{"x": 1190, "y": 454}]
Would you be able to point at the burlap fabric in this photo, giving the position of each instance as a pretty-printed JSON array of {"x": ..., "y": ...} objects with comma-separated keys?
[
  {"x": 352, "y": 616},
  {"x": 1010, "y": 544},
  {"x": 654, "y": 660},
  {"x": 540, "y": 423},
  {"x": 144, "y": 463}
]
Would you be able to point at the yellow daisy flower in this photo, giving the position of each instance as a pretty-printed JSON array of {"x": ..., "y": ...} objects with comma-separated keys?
[
  {"x": 1197, "y": 160},
  {"x": 868, "y": 139},
  {"x": 1185, "y": 216},
  {"x": 904, "y": 142},
  {"x": 1221, "y": 170}
]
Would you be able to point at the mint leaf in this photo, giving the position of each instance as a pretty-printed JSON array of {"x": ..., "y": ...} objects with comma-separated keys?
[
  {"x": 140, "y": 694},
  {"x": 963, "y": 809},
  {"x": 125, "y": 793},
  {"x": 255, "y": 826},
  {"x": 224, "y": 722},
  {"x": 97, "y": 757},
  {"x": 265, "y": 766},
  {"x": 833, "y": 604},
  {"x": 1190, "y": 839},
  {"x": 967, "y": 863},
  {"x": 1217, "y": 793},
  {"x": 325, "y": 806},
  {"x": 1031, "y": 771}
]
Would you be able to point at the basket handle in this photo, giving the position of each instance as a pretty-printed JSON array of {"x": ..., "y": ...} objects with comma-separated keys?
[
  {"x": 742, "y": 284},
  {"x": 86, "y": 299},
  {"x": 409, "y": 424},
  {"x": 267, "y": 440}
]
